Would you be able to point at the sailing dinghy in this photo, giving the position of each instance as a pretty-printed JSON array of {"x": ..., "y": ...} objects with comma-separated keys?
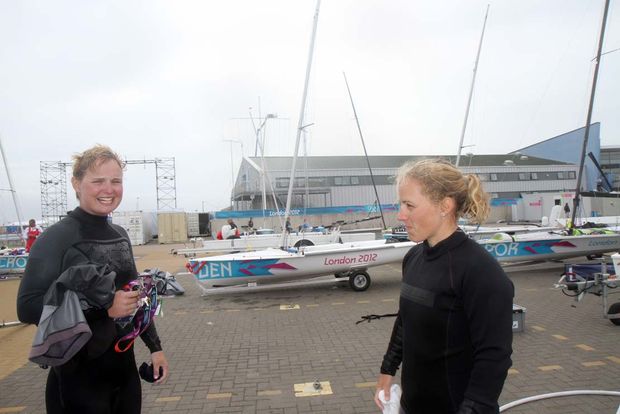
[{"x": 345, "y": 260}]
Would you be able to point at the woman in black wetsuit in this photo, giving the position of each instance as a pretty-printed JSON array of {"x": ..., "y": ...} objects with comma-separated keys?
[
  {"x": 453, "y": 332},
  {"x": 97, "y": 379}
]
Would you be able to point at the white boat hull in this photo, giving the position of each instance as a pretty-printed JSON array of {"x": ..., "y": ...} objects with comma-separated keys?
[
  {"x": 274, "y": 265},
  {"x": 13, "y": 263},
  {"x": 545, "y": 246},
  {"x": 265, "y": 241}
]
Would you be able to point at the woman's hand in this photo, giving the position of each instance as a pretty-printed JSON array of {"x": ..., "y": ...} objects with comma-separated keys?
[
  {"x": 383, "y": 383},
  {"x": 125, "y": 304},
  {"x": 159, "y": 360}
]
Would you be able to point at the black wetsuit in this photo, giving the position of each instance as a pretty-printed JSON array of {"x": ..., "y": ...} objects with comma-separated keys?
[
  {"x": 97, "y": 379},
  {"x": 453, "y": 333}
]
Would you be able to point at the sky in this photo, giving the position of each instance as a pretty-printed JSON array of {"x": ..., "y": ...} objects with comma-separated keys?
[{"x": 182, "y": 78}]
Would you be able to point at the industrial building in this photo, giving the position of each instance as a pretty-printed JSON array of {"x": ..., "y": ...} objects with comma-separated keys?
[{"x": 340, "y": 187}]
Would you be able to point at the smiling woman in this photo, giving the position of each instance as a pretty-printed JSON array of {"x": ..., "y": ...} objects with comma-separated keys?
[
  {"x": 97, "y": 376},
  {"x": 98, "y": 180}
]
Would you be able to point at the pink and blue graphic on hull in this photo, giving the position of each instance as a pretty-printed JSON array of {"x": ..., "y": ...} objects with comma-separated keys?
[
  {"x": 13, "y": 262},
  {"x": 215, "y": 269},
  {"x": 526, "y": 248}
]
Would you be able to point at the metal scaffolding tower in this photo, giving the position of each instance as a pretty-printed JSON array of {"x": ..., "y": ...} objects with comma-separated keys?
[
  {"x": 53, "y": 179},
  {"x": 54, "y": 186},
  {"x": 165, "y": 174}
]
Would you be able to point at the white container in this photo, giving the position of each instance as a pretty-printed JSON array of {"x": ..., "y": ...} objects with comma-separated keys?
[
  {"x": 140, "y": 225},
  {"x": 193, "y": 228}
]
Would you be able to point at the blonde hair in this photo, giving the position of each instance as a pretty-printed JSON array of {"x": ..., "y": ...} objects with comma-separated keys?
[
  {"x": 440, "y": 179},
  {"x": 93, "y": 157}
]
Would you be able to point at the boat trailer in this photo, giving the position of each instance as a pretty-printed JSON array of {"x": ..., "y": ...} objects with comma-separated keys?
[{"x": 600, "y": 279}]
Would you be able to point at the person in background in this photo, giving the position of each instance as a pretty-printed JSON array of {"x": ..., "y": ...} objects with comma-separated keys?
[
  {"x": 98, "y": 379},
  {"x": 287, "y": 225},
  {"x": 304, "y": 227},
  {"x": 230, "y": 230},
  {"x": 453, "y": 332},
  {"x": 555, "y": 214},
  {"x": 566, "y": 210},
  {"x": 31, "y": 233},
  {"x": 250, "y": 225}
]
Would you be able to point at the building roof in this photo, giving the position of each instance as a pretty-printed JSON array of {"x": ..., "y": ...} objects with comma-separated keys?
[
  {"x": 558, "y": 137},
  {"x": 395, "y": 161}
]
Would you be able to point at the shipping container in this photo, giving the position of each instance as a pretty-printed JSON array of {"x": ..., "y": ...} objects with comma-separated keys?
[
  {"x": 140, "y": 225},
  {"x": 193, "y": 228},
  {"x": 172, "y": 227},
  {"x": 204, "y": 224}
]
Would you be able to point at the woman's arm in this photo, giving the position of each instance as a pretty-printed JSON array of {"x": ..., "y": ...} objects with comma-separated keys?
[
  {"x": 487, "y": 298},
  {"x": 43, "y": 267},
  {"x": 391, "y": 361}
]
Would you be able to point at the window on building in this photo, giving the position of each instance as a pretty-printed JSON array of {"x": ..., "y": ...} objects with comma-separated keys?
[
  {"x": 337, "y": 180},
  {"x": 571, "y": 175},
  {"x": 355, "y": 180},
  {"x": 493, "y": 177},
  {"x": 560, "y": 175},
  {"x": 523, "y": 176},
  {"x": 534, "y": 176}
]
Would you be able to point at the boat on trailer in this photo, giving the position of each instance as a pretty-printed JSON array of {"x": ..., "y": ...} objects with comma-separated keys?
[
  {"x": 248, "y": 242},
  {"x": 13, "y": 263},
  {"x": 550, "y": 245},
  {"x": 344, "y": 260}
]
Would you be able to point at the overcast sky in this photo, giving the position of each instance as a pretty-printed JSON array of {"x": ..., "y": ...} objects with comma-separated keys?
[{"x": 175, "y": 78}]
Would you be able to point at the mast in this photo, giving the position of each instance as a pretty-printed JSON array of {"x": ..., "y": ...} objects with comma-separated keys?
[
  {"x": 372, "y": 177},
  {"x": 586, "y": 134},
  {"x": 471, "y": 89},
  {"x": 300, "y": 125},
  {"x": 12, "y": 190}
]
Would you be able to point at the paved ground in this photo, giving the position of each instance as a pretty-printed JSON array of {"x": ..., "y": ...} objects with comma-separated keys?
[{"x": 245, "y": 353}]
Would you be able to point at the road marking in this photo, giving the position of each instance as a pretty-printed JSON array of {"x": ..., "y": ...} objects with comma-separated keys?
[
  {"x": 584, "y": 347},
  {"x": 538, "y": 328},
  {"x": 219, "y": 396},
  {"x": 337, "y": 303},
  {"x": 560, "y": 337},
  {"x": 512, "y": 371},
  {"x": 259, "y": 309},
  {"x": 167, "y": 399},
  {"x": 268, "y": 393},
  {"x": 363, "y": 301},
  {"x": 309, "y": 390},
  {"x": 366, "y": 384},
  {"x": 289, "y": 307},
  {"x": 614, "y": 359},
  {"x": 233, "y": 310},
  {"x": 593, "y": 364},
  {"x": 206, "y": 311},
  {"x": 387, "y": 300},
  {"x": 12, "y": 409},
  {"x": 550, "y": 368},
  {"x": 313, "y": 305}
]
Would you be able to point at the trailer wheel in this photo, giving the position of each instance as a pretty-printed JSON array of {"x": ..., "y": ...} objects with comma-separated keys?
[
  {"x": 614, "y": 308},
  {"x": 359, "y": 281},
  {"x": 303, "y": 242}
]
